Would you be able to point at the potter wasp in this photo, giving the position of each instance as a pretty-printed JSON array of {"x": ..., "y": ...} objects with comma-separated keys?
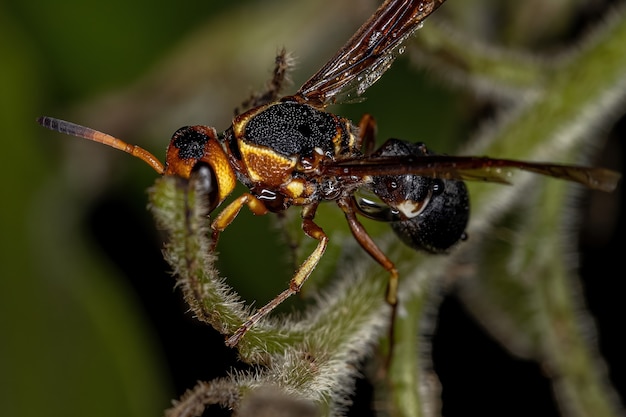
[{"x": 289, "y": 151}]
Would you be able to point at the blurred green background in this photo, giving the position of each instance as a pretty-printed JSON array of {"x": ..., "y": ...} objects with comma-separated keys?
[{"x": 78, "y": 249}]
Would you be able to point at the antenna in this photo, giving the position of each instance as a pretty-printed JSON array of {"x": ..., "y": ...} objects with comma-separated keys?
[{"x": 79, "y": 131}]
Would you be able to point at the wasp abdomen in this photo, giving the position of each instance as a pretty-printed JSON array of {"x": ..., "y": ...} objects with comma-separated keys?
[{"x": 432, "y": 212}]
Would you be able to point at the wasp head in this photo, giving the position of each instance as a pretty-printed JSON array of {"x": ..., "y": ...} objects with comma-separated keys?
[{"x": 195, "y": 149}]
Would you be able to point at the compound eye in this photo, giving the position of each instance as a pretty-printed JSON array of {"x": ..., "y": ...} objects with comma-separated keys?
[{"x": 204, "y": 180}]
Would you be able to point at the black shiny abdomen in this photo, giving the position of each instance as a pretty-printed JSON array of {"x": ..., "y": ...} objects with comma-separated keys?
[
  {"x": 442, "y": 221},
  {"x": 291, "y": 128}
]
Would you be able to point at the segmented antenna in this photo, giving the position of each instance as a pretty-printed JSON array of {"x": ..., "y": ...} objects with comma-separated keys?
[{"x": 79, "y": 131}]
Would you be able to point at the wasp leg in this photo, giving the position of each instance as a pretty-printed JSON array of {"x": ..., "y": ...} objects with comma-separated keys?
[
  {"x": 360, "y": 234},
  {"x": 367, "y": 134},
  {"x": 302, "y": 273},
  {"x": 282, "y": 65},
  {"x": 231, "y": 211}
]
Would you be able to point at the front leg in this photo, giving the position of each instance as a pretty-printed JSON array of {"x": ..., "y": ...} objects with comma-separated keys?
[{"x": 231, "y": 211}]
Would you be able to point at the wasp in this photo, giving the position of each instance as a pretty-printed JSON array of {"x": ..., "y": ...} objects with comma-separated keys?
[{"x": 289, "y": 151}]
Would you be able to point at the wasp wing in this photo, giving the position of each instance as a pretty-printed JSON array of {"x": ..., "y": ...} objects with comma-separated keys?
[
  {"x": 369, "y": 53},
  {"x": 469, "y": 168}
]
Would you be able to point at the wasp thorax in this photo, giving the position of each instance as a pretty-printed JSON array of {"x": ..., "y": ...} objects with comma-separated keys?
[{"x": 290, "y": 128}]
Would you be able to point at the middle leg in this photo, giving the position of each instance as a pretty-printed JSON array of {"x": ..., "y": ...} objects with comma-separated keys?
[{"x": 301, "y": 275}]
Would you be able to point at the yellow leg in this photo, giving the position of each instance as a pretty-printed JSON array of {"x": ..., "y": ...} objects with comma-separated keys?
[
  {"x": 228, "y": 214},
  {"x": 302, "y": 273}
]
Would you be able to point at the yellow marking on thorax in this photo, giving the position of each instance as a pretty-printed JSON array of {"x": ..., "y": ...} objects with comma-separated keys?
[{"x": 266, "y": 166}]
